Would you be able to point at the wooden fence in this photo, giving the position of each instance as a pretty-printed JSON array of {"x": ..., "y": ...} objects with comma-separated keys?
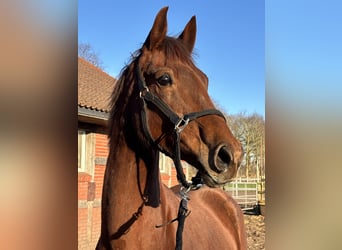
[{"x": 248, "y": 192}]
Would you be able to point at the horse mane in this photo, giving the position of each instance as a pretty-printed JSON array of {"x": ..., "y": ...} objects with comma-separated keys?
[
  {"x": 119, "y": 98},
  {"x": 174, "y": 49}
]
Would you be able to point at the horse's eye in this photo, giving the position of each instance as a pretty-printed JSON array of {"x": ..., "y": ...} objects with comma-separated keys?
[{"x": 164, "y": 80}]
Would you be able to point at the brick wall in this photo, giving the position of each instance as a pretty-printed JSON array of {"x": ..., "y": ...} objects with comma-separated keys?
[
  {"x": 173, "y": 174},
  {"x": 89, "y": 196},
  {"x": 101, "y": 154}
]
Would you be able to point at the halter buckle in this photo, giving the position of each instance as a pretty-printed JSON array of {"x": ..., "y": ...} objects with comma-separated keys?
[
  {"x": 143, "y": 92},
  {"x": 181, "y": 124}
]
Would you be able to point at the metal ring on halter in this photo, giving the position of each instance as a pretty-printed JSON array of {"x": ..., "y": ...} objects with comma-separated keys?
[
  {"x": 183, "y": 191},
  {"x": 181, "y": 124},
  {"x": 143, "y": 92},
  {"x": 195, "y": 187}
]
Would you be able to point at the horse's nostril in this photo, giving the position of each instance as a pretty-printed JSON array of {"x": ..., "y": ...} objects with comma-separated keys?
[
  {"x": 224, "y": 156},
  {"x": 222, "y": 159}
]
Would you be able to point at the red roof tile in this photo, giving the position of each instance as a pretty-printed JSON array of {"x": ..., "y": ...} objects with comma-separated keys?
[{"x": 94, "y": 87}]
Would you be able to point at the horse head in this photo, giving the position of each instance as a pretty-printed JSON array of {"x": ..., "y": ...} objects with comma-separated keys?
[{"x": 164, "y": 73}]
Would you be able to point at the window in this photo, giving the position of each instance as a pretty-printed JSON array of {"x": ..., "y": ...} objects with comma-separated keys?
[
  {"x": 85, "y": 152},
  {"x": 164, "y": 163}
]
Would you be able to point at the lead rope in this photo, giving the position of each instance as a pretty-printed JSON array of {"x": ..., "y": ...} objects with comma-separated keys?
[{"x": 183, "y": 212}]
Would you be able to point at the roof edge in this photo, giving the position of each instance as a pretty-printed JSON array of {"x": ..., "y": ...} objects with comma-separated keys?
[{"x": 93, "y": 116}]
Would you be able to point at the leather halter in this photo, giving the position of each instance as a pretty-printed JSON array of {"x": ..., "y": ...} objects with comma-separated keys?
[{"x": 179, "y": 123}]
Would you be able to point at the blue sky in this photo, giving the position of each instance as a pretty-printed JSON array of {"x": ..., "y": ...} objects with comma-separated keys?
[
  {"x": 304, "y": 56},
  {"x": 229, "y": 46}
]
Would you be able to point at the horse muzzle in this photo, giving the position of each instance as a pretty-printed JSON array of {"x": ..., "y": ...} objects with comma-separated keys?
[{"x": 223, "y": 165}]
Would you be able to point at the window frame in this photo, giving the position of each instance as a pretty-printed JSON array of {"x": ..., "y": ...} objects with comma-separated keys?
[{"x": 86, "y": 152}]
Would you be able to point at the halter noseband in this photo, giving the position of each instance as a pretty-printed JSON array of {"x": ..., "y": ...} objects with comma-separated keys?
[{"x": 179, "y": 124}]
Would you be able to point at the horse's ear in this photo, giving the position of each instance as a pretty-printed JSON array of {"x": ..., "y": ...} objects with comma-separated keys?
[
  {"x": 189, "y": 34},
  {"x": 158, "y": 31}
]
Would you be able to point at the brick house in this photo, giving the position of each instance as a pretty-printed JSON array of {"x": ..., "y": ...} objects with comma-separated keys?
[{"x": 94, "y": 91}]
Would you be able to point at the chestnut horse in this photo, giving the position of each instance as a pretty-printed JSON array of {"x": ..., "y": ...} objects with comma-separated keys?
[{"x": 161, "y": 103}]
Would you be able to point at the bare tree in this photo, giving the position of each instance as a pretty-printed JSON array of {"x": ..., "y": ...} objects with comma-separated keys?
[
  {"x": 87, "y": 52},
  {"x": 250, "y": 130}
]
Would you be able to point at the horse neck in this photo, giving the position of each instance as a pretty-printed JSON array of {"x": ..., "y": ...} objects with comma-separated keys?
[{"x": 126, "y": 177}]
